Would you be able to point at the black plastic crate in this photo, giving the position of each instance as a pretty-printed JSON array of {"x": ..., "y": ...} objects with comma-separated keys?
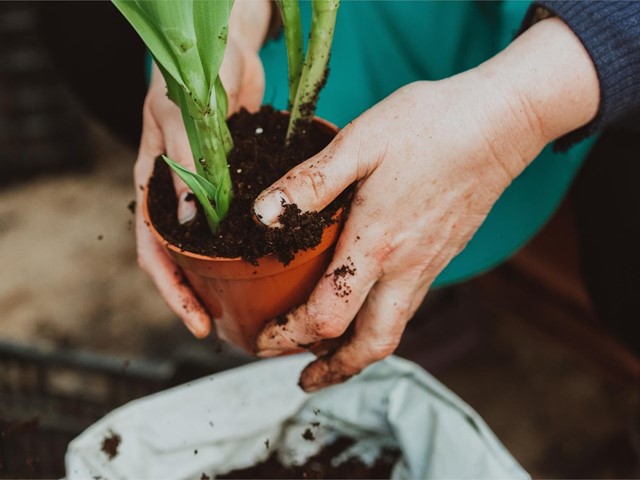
[{"x": 47, "y": 398}]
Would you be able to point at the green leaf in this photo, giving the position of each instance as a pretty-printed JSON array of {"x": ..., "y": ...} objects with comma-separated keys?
[
  {"x": 290, "y": 11},
  {"x": 210, "y": 22},
  {"x": 314, "y": 70},
  {"x": 174, "y": 90},
  {"x": 174, "y": 20},
  {"x": 187, "y": 39},
  {"x": 223, "y": 107},
  {"x": 152, "y": 37},
  {"x": 221, "y": 98},
  {"x": 204, "y": 191},
  {"x": 191, "y": 129}
]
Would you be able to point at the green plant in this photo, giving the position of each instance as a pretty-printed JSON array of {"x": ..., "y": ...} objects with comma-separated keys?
[
  {"x": 307, "y": 78},
  {"x": 187, "y": 39}
]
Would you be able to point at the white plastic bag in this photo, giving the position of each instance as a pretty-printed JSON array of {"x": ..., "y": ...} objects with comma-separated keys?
[{"x": 223, "y": 422}]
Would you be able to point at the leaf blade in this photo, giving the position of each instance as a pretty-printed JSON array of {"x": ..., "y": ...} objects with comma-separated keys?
[
  {"x": 210, "y": 24},
  {"x": 152, "y": 37},
  {"x": 204, "y": 191}
]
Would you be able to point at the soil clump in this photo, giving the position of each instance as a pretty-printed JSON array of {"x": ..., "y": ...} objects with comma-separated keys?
[{"x": 320, "y": 465}]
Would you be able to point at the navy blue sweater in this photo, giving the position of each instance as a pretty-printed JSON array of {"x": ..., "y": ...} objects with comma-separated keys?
[{"x": 610, "y": 32}]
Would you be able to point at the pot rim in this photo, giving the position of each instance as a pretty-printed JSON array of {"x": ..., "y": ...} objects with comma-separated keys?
[{"x": 199, "y": 256}]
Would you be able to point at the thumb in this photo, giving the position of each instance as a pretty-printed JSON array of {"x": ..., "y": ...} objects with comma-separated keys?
[{"x": 313, "y": 184}]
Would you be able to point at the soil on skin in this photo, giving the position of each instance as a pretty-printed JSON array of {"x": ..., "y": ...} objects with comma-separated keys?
[
  {"x": 258, "y": 159},
  {"x": 340, "y": 284},
  {"x": 320, "y": 466}
]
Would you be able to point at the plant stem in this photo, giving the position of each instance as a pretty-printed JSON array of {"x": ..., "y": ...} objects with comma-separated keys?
[
  {"x": 290, "y": 10},
  {"x": 214, "y": 141},
  {"x": 314, "y": 70}
]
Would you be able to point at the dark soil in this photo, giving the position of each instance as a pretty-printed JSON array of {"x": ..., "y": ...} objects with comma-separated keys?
[
  {"x": 110, "y": 445},
  {"x": 258, "y": 159},
  {"x": 319, "y": 465}
]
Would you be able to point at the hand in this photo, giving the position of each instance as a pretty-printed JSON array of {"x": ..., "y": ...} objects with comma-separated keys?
[
  {"x": 163, "y": 132},
  {"x": 428, "y": 164}
]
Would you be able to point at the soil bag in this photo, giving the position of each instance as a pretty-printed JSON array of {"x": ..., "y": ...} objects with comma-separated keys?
[{"x": 234, "y": 419}]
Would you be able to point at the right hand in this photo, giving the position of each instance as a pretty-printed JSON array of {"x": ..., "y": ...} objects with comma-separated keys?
[{"x": 163, "y": 132}]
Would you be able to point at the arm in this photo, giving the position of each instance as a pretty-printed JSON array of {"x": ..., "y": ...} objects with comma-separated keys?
[{"x": 451, "y": 147}]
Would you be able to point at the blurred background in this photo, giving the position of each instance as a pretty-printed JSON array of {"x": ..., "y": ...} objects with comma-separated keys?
[{"x": 82, "y": 330}]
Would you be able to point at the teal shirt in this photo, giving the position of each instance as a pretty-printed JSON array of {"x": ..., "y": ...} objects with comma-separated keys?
[{"x": 379, "y": 46}]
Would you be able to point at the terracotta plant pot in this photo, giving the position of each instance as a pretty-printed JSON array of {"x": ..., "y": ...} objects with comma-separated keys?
[{"x": 242, "y": 297}]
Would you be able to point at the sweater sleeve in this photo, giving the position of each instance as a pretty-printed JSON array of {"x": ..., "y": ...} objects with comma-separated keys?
[{"x": 610, "y": 32}]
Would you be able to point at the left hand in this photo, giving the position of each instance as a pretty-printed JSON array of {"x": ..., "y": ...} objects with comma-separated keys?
[
  {"x": 428, "y": 162},
  {"x": 163, "y": 132}
]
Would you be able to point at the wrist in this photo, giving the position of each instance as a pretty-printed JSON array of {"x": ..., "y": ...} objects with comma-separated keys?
[{"x": 550, "y": 79}]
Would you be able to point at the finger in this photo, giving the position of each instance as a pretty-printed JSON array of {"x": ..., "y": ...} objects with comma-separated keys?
[
  {"x": 152, "y": 258},
  {"x": 313, "y": 184},
  {"x": 332, "y": 305},
  {"x": 378, "y": 329},
  {"x": 251, "y": 90},
  {"x": 170, "y": 281},
  {"x": 231, "y": 72},
  {"x": 179, "y": 150}
]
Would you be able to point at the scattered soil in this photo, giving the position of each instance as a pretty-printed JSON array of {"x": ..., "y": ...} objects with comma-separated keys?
[
  {"x": 320, "y": 466},
  {"x": 110, "y": 445},
  {"x": 258, "y": 159}
]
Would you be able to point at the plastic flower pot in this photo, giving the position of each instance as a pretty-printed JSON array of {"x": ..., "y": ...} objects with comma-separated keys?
[{"x": 242, "y": 297}]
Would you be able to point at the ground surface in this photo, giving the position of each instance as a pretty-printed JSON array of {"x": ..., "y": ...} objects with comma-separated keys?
[{"x": 69, "y": 279}]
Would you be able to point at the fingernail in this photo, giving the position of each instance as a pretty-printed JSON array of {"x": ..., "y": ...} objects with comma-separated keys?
[
  {"x": 198, "y": 330},
  {"x": 269, "y": 353},
  {"x": 310, "y": 388},
  {"x": 269, "y": 207},
  {"x": 186, "y": 209},
  {"x": 193, "y": 329}
]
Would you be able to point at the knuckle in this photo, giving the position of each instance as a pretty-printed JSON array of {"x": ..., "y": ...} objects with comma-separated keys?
[
  {"x": 328, "y": 328},
  {"x": 322, "y": 325},
  {"x": 381, "y": 351},
  {"x": 149, "y": 111},
  {"x": 383, "y": 251},
  {"x": 402, "y": 313},
  {"x": 147, "y": 108},
  {"x": 315, "y": 180}
]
